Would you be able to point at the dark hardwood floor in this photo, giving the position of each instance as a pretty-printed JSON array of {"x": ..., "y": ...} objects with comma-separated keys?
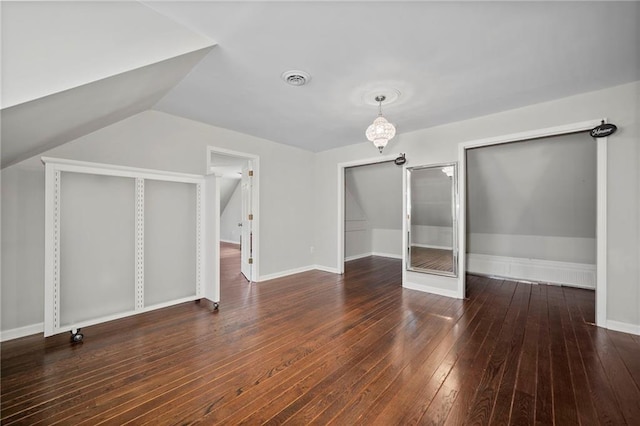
[
  {"x": 432, "y": 258},
  {"x": 318, "y": 348}
]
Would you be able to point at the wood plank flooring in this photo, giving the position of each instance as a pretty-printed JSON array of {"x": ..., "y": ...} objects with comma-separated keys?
[
  {"x": 432, "y": 258},
  {"x": 319, "y": 348}
]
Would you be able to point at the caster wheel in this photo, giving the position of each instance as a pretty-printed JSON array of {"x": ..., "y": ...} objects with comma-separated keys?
[
  {"x": 76, "y": 337},
  {"x": 216, "y": 305}
]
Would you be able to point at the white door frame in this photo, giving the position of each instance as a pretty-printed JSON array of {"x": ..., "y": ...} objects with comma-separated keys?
[
  {"x": 340, "y": 192},
  {"x": 246, "y": 232},
  {"x": 255, "y": 204},
  {"x": 601, "y": 215}
]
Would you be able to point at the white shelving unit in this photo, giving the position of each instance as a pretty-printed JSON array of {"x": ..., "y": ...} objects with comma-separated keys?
[{"x": 119, "y": 241}]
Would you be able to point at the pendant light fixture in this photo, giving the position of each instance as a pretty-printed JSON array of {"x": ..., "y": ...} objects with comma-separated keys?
[{"x": 381, "y": 131}]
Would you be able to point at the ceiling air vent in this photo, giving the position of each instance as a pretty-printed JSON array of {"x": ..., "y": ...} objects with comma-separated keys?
[{"x": 296, "y": 77}]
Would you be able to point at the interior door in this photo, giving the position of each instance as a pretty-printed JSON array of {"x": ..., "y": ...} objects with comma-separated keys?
[{"x": 246, "y": 238}]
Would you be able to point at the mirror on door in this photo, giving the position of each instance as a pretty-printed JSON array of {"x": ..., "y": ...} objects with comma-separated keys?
[{"x": 432, "y": 201}]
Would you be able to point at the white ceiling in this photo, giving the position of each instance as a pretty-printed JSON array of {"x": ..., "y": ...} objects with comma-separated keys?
[
  {"x": 52, "y": 46},
  {"x": 449, "y": 60},
  {"x": 70, "y": 68},
  {"x": 33, "y": 127}
]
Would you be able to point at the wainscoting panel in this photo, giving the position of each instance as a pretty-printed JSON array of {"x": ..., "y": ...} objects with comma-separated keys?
[{"x": 546, "y": 271}]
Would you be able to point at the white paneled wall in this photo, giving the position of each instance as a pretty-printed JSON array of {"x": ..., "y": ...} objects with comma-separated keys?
[{"x": 440, "y": 237}]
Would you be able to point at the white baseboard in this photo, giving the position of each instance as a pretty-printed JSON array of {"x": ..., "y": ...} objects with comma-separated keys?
[
  {"x": 326, "y": 269},
  {"x": 16, "y": 333},
  {"x": 373, "y": 253},
  {"x": 230, "y": 242},
  {"x": 547, "y": 271},
  {"x": 431, "y": 246},
  {"x": 390, "y": 255},
  {"x": 357, "y": 256},
  {"x": 430, "y": 289},
  {"x": 298, "y": 271},
  {"x": 624, "y": 327},
  {"x": 286, "y": 273}
]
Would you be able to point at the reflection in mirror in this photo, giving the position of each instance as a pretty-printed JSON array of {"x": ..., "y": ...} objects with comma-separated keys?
[{"x": 432, "y": 215}]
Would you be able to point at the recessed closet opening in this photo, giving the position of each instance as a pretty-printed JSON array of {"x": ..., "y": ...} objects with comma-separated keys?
[
  {"x": 369, "y": 210},
  {"x": 534, "y": 210},
  {"x": 372, "y": 211}
]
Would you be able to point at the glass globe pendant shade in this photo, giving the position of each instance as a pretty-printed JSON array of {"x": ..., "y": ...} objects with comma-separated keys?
[{"x": 380, "y": 132}]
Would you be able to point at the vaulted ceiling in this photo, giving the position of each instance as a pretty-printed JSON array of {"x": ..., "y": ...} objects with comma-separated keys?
[{"x": 69, "y": 68}]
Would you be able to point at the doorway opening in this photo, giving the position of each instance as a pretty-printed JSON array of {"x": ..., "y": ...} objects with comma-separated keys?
[
  {"x": 235, "y": 176},
  {"x": 369, "y": 193},
  {"x": 598, "y": 251}
]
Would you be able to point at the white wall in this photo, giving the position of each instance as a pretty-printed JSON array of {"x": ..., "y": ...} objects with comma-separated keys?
[
  {"x": 231, "y": 216},
  {"x": 561, "y": 249},
  {"x": 386, "y": 242},
  {"x": 373, "y": 211},
  {"x": 534, "y": 199},
  {"x": 440, "y": 237},
  {"x": 112, "y": 42},
  {"x": 22, "y": 291},
  {"x": 357, "y": 231},
  {"x": 159, "y": 141},
  {"x": 439, "y": 144}
]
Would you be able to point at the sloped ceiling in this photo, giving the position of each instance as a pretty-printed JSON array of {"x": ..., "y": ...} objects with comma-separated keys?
[
  {"x": 227, "y": 188},
  {"x": 450, "y": 60},
  {"x": 228, "y": 168},
  {"x": 377, "y": 189},
  {"x": 70, "y": 68},
  {"x": 352, "y": 210},
  {"x": 33, "y": 127},
  {"x": 545, "y": 187}
]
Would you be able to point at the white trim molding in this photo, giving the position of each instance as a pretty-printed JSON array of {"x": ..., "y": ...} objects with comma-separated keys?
[
  {"x": 430, "y": 289},
  {"x": 229, "y": 242},
  {"x": 389, "y": 255},
  {"x": 255, "y": 201},
  {"x": 323, "y": 268},
  {"x": 431, "y": 246},
  {"x": 601, "y": 209},
  {"x": 16, "y": 333},
  {"x": 373, "y": 253},
  {"x": 534, "y": 270},
  {"x": 105, "y": 169},
  {"x": 357, "y": 256},
  {"x": 53, "y": 188},
  {"x": 286, "y": 273},
  {"x": 294, "y": 271},
  {"x": 340, "y": 193},
  {"x": 623, "y": 327}
]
